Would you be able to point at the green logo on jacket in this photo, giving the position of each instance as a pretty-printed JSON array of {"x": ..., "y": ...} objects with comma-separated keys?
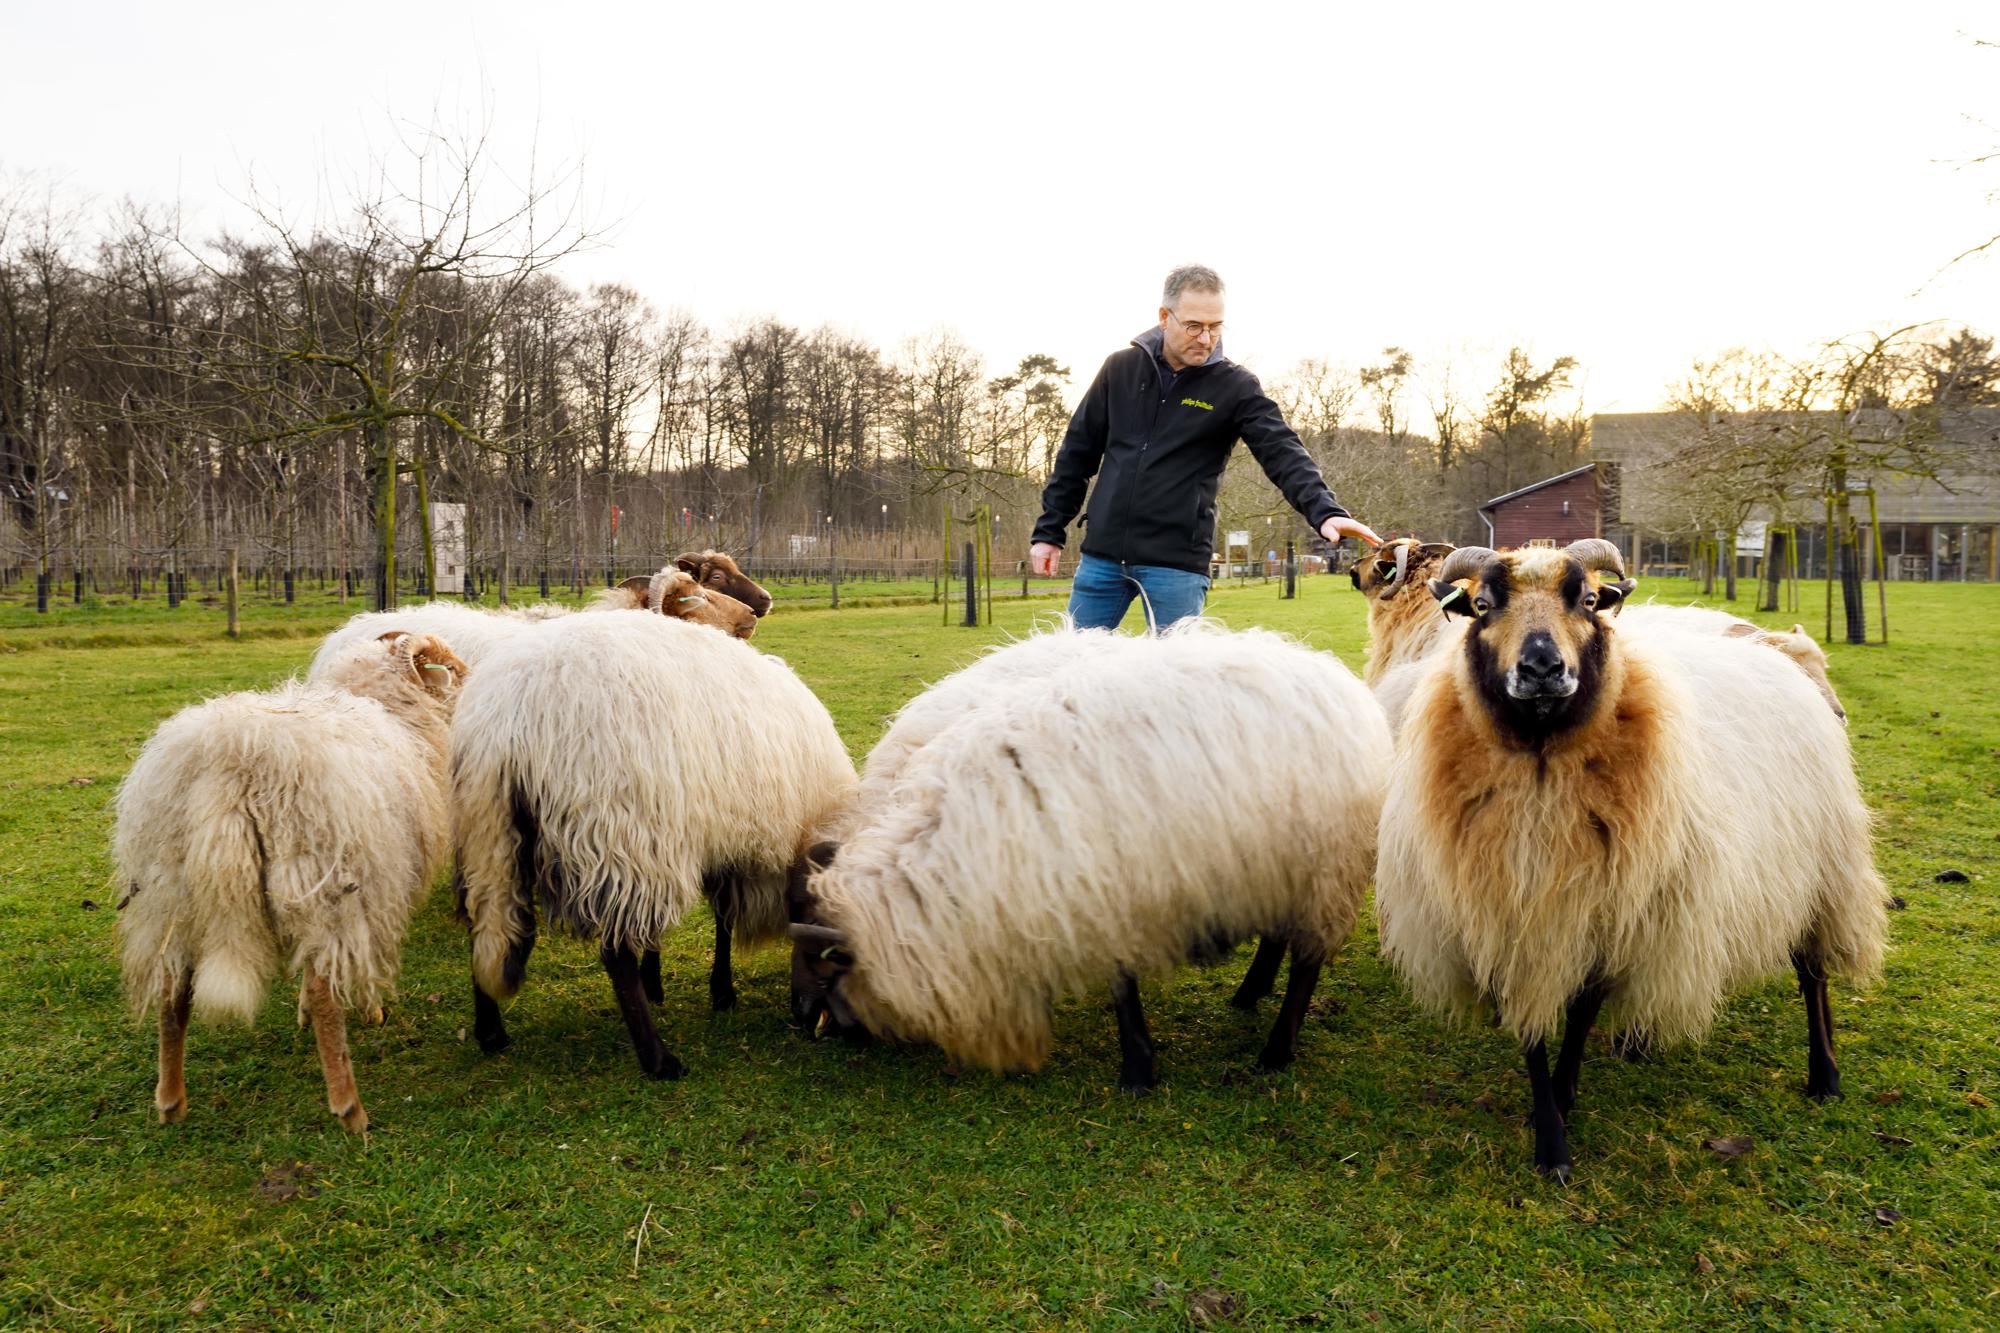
[{"x": 1196, "y": 402}]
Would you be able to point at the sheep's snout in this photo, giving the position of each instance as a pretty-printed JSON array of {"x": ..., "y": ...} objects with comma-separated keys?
[{"x": 1540, "y": 673}]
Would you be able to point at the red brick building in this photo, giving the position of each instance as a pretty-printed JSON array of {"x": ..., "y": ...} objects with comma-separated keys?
[{"x": 1552, "y": 512}]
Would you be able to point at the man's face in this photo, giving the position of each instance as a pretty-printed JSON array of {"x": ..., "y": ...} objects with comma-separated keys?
[{"x": 1193, "y": 330}]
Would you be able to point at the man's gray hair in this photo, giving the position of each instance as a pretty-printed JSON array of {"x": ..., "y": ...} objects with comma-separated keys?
[{"x": 1189, "y": 277}]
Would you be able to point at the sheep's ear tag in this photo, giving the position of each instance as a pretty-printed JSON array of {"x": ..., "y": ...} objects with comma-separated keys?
[{"x": 1452, "y": 599}]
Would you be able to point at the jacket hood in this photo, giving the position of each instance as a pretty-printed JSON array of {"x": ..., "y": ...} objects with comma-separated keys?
[{"x": 1154, "y": 340}]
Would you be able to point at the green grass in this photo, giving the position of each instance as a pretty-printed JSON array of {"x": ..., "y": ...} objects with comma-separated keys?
[{"x": 1386, "y": 1178}]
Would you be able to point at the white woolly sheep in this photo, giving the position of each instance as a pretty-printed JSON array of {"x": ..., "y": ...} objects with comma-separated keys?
[
  {"x": 1007, "y": 669},
  {"x": 297, "y": 826},
  {"x": 1639, "y": 814},
  {"x": 1068, "y": 833},
  {"x": 615, "y": 768},
  {"x": 1796, "y": 643}
]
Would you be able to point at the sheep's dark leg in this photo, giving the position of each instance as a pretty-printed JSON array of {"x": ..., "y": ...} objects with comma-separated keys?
[
  {"x": 1551, "y": 1142},
  {"x": 329, "y": 1027},
  {"x": 1282, "y": 1046},
  {"x": 1822, "y": 1075},
  {"x": 649, "y": 976},
  {"x": 170, "y": 1096},
  {"x": 721, "y": 890},
  {"x": 1139, "y": 1068},
  {"x": 1263, "y": 974},
  {"x": 1583, "y": 1007},
  {"x": 488, "y": 1029},
  {"x": 622, "y": 966}
]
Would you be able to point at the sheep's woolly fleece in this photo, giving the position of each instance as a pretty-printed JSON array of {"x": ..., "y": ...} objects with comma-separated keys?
[
  {"x": 1704, "y": 822},
  {"x": 472, "y": 632},
  {"x": 305, "y": 821},
  {"x": 648, "y": 751},
  {"x": 1144, "y": 795}
]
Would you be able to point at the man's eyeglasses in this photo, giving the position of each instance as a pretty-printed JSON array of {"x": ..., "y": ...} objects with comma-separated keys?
[{"x": 1196, "y": 330}]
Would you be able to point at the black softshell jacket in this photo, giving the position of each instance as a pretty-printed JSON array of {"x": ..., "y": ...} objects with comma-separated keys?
[{"x": 1158, "y": 457}]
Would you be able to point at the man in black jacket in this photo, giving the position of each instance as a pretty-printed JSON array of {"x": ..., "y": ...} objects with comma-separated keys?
[{"x": 1155, "y": 429}]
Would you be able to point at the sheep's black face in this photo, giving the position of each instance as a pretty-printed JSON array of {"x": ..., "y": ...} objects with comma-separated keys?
[
  {"x": 820, "y": 956},
  {"x": 1539, "y": 644}
]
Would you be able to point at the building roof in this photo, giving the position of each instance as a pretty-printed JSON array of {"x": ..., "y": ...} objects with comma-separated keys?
[{"x": 1546, "y": 481}]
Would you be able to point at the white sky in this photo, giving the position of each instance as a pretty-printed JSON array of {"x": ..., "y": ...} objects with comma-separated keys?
[{"x": 1631, "y": 185}]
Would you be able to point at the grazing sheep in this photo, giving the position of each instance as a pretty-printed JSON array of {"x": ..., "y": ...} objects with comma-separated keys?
[
  {"x": 299, "y": 827},
  {"x": 612, "y": 769},
  {"x": 1644, "y": 815},
  {"x": 707, "y": 589},
  {"x": 1079, "y": 829}
]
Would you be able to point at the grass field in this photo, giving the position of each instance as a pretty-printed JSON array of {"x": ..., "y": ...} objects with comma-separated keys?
[{"x": 1384, "y": 1181}]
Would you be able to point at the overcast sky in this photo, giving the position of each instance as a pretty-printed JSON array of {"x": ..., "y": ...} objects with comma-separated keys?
[{"x": 1630, "y": 185}]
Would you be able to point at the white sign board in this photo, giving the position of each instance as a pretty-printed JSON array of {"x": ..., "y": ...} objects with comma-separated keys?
[
  {"x": 1750, "y": 538},
  {"x": 448, "y": 541},
  {"x": 1239, "y": 537}
]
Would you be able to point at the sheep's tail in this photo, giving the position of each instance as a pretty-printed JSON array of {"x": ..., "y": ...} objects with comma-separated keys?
[
  {"x": 498, "y": 838},
  {"x": 212, "y": 918}
]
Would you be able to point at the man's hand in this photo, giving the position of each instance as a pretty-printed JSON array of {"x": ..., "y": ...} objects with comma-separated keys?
[
  {"x": 1042, "y": 558},
  {"x": 1336, "y": 528}
]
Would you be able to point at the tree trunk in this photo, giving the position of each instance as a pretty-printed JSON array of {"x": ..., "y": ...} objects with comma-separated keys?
[
  {"x": 424, "y": 525},
  {"x": 382, "y": 472}
]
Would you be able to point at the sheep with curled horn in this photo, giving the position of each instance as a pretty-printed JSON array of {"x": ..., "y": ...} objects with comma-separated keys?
[
  {"x": 1629, "y": 820},
  {"x": 295, "y": 827},
  {"x": 608, "y": 772},
  {"x": 989, "y": 877}
]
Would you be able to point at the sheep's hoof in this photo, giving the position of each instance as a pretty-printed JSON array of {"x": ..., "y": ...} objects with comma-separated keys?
[
  {"x": 173, "y": 1113},
  {"x": 354, "y": 1119},
  {"x": 494, "y": 1042},
  {"x": 666, "y": 1066},
  {"x": 1275, "y": 1062},
  {"x": 722, "y": 999},
  {"x": 377, "y": 1017},
  {"x": 1245, "y": 999},
  {"x": 1132, "y": 1088},
  {"x": 1558, "y": 1172},
  {"x": 1824, "y": 1095}
]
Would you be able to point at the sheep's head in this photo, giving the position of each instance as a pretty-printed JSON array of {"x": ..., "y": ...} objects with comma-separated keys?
[
  {"x": 428, "y": 661},
  {"x": 1395, "y": 564},
  {"x": 1540, "y": 635},
  {"x": 676, "y": 594},
  {"x": 716, "y": 572},
  {"x": 821, "y": 956}
]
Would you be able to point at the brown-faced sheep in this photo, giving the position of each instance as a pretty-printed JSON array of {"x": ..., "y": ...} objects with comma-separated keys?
[
  {"x": 1053, "y": 837},
  {"x": 295, "y": 827},
  {"x": 609, "y": 770},
  {"x": 1640, "y": 815}
]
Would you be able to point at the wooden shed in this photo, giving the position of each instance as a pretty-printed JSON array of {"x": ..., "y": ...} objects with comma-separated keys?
[{"x": 1554, "y": 511}]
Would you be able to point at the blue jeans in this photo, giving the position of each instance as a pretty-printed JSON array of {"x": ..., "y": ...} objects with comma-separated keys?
[{"x": 1104, "y": 589}]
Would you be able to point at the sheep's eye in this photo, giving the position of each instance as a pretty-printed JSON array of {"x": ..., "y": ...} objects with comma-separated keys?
[
  {"x": 716, "y": 578},
  {"x": 1590, "y": 600},
  {"x": 1481, "y": 605}
]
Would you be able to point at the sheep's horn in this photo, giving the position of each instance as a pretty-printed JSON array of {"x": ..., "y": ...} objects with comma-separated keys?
[
  {"x": 1594, "y": 553},
  {"x": 812, "y": 934},
  {"x": 1467, "y": 561}
]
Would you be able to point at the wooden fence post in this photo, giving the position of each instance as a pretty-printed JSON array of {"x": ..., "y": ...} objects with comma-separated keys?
[{"x": 235, "y": 625}]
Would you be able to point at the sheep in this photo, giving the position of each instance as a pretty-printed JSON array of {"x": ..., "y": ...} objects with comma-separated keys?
[
  {"x": 1796, "y": 643},
  {"x": 1068, "y": 832},
  {"x": 1019, "y": 665},
  {"x": 671, "y": 592},
  {"x": 302, "y": 824},
  {"x": 1401, "y": 629},
  {"x": 617, "y": 767},
  {"x": 1640, "y": 815},
  {"x": 717, "y": 572}
]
